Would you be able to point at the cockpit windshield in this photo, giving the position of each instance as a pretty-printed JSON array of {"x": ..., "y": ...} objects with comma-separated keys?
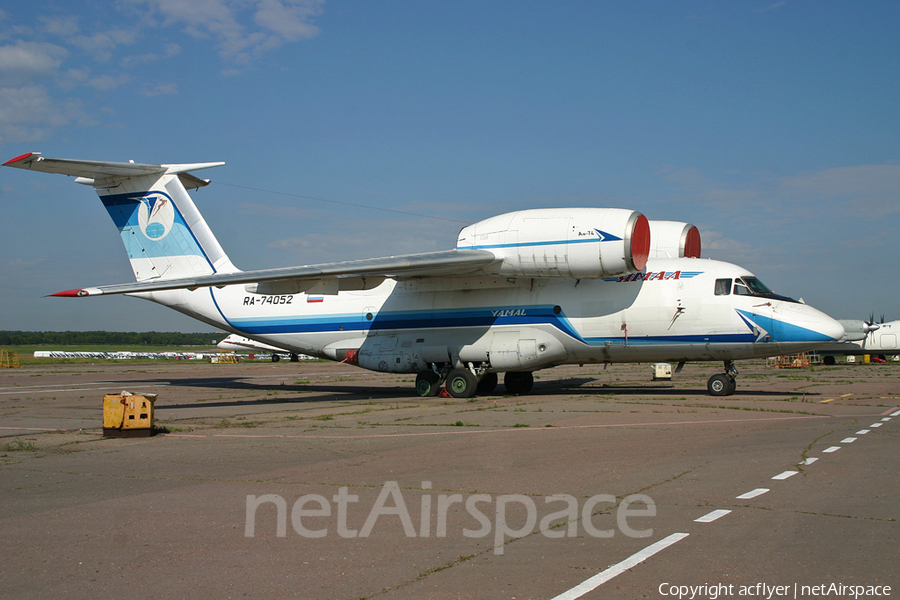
[{"x": 748, "y": 286}]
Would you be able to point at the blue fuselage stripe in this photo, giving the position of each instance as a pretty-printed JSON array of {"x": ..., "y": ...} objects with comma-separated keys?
[{"x": 488, "y": 317}]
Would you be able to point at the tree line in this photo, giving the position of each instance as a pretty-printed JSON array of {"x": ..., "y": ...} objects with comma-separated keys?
[{"x": 131, "y": 338}]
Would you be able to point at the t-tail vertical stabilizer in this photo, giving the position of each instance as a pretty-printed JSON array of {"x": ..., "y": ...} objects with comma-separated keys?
[{"x": 164, "y": 234}]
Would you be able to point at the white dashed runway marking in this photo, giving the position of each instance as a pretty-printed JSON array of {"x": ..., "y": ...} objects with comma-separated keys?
[
  {"x": 617, "y": 569},
  {"x": 710, "y": 517},
  {"x": 752, "y": 494}
]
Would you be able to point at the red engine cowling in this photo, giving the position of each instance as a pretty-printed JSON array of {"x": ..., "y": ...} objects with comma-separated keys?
[
  {"x": 563, "y": 242},
  {"x": 674, "y": 239}
]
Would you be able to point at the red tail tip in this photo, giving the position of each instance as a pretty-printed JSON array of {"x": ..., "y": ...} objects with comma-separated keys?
[
  {"x": 19, "y": 158},
  {"x": 70, "y": 293}
]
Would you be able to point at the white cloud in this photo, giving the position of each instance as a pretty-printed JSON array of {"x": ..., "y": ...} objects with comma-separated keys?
[
  {"x": 170, "y": 50},
  {"x": 290, "y": 20},
  {"x": 227, "y": 22},
  {"x": 25, "y": 60},
  {"x": 107, "y": 82},
  {"x": 872, "y": 186},
  {"x": 40, "y": 80},
  {"x": 857, "y": 181},
  {"x": 65, "y": 26},
  {"x": 161, "y": 89},
  {"x": 102, "y": 44},
  {"x": 28, "y": 113}
]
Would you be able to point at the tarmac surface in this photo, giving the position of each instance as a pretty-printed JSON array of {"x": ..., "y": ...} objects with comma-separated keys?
[{"x": 321, "y": 480}]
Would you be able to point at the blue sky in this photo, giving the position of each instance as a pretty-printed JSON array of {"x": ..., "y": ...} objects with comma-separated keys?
[{"x": 359, "y": 129}]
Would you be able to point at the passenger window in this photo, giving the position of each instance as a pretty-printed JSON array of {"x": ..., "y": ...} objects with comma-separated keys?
[{"x": 723, "y": 287}]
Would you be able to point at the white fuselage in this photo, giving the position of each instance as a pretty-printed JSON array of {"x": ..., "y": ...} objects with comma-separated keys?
[{"x": 669, "y": 312}]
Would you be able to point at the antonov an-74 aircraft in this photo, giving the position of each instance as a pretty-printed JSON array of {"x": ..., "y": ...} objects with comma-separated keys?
[{"x": 522, "y": 291}]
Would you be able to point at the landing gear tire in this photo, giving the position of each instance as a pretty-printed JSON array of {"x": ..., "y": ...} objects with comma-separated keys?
[
  {"x": 828, "y": 360},
  {"x": 275, "y": 357},
  {"x": 428, "y": 384},
  {"x": 518, "y": 383},
  {"x": 461, "y": 383},
  {"x": 487, "y": 385},
  {"x": 294, "y": 357},
  {"x": 721, "y": 384}
]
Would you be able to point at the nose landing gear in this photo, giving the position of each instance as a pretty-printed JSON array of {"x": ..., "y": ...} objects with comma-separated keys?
[{"x": 723, "y": 384}]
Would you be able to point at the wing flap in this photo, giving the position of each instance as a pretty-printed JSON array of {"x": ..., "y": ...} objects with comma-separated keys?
[{"x": 432, "y": 264}]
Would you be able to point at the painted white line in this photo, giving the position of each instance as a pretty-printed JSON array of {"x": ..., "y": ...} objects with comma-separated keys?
[
  {"x": 709, "y": 518},
  {"x": 809, "y": 461},
  {"x": 617, "y": 569},
  {"x": 862, "y": 432},
  {"x": 875, "y": 425},
  {"x": 848, "y": 440},
  {"x": 885, "y": 420},
  {"x": 785, "y": 475},
  {"x": 31, "y": 429},
  {"x": 896, "y": 414},
  {"x": 35, "y": 391},
  {"x": 753, "y": 494},
  {"x": 832, "y": 449}
]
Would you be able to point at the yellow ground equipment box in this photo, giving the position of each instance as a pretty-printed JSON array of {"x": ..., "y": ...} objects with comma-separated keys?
[
  {"x": 662, "y": 371},
  {"x": 128, "y": 414}
]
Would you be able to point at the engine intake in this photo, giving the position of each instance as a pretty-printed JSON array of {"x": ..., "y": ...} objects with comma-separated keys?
[{"x": 674, "y": 239}]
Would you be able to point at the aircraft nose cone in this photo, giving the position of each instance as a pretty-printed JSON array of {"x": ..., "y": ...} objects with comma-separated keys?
[
  {"x": 828, "y": 327},
  {"x": 831, "y": 328}
]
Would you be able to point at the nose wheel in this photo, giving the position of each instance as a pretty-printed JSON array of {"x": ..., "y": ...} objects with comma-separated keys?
[{"x": 723, "y": 384}]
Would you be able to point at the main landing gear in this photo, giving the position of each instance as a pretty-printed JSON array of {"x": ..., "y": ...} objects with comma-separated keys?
[
  {"x": 464, "y": 383},
  {"x": 723, "y": 384}
]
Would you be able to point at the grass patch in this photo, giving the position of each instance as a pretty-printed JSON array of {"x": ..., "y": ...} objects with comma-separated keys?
[{"x": 19, "y": 445}]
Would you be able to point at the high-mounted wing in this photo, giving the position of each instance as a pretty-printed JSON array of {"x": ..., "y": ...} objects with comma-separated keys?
[{"x": 448, "y": 262}]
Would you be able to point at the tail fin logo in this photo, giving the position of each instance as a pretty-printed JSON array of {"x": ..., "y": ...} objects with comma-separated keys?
[{"x": 156, "y": 215}]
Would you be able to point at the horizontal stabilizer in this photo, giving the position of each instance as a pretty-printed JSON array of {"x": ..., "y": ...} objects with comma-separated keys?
[{"x": 99, "y": 170}]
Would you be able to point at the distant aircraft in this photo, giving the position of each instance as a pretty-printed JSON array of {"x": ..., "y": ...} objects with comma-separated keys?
[
  {"x": 521, "y": 291},
  {"x": 238, "y": 342},
  {"x": 864, "y": 337}
]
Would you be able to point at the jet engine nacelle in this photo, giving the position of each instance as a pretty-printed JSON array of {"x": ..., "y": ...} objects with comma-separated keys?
[
  {"x": 674, "y": 239},
  {"x": 563, "y": 242}
]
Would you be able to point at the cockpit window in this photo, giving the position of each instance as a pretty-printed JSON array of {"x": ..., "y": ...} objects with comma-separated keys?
[
  {"x": 723, "y": 287},
  {"x": 757, "y": 286},
  {"x": 751, "y": 286}
]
